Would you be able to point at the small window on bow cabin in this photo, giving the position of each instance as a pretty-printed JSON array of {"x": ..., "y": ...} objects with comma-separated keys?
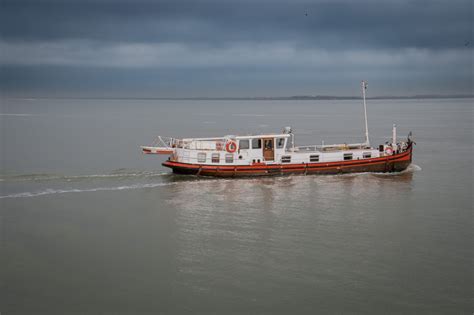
[
  {"x": 229, "y": 158},
  {"x": 280, "y": 143},
  {"x": 215, "y": 157},
  {"x": 367, "y": 155},
  {"x": 314, "y": 158},
  {"x": 347, "y": 156},
  {"x": 256, "y": 143},
  {"x": 244, "y": 144},
  {"x": 201, "y": 158}
]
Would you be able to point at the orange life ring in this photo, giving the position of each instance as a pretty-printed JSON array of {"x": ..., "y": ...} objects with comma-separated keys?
[
  {"x": 388, "y": 150},
  {"x": 231, "y": 146}
]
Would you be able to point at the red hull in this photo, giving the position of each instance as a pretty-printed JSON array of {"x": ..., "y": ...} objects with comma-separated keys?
[{"x": 393, "y": 163}]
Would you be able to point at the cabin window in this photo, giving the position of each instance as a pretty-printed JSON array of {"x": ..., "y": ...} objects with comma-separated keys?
[
  {"x": 256, "y": 143},
  {"x": 244, "y": 144},
  {"x": 286, "y": 159},
  {"x": 201, "y": 157},
  {"x": 268, "y": 144},
  {"x": 215, "y": 157},
  {"x": 347, "y": 156},
  {"x": 280, "y": 143},
  {"x": 367, "y": 155},
  {"x": 229, "y": 158},
  {"x": 314, "y": 158}
]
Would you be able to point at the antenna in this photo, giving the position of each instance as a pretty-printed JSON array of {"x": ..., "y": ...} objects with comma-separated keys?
[{"x": 364, "y": 87}]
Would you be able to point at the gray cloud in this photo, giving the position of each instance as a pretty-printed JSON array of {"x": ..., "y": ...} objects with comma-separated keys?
[
  {"x": 272, "y": 54},
  {"x": 187, "y": 48},
  {"x": 403, "y": 23}
]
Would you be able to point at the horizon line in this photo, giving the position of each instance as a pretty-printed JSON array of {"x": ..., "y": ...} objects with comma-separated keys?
[{"x": 243, "y": 98}]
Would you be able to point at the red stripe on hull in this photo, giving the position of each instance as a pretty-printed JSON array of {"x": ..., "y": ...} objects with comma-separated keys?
[{"x": 393, "y": 163}]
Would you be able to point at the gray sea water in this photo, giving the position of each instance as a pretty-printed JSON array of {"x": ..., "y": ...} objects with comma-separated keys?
[{"x": 90, "y": 225}]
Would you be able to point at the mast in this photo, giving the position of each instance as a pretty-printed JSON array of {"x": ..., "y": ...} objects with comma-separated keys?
[
  {"x": 394, "y": 136},
  {"x": 364, "y": 87}
]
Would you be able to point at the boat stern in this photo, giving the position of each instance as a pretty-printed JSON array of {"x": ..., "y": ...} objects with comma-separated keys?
[
  {"x": 157, "y": 150},
  {"x": 182, "y": 168}
]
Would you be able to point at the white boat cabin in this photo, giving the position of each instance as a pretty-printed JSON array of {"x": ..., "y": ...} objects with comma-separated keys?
[{"x": 265, "y": 149}]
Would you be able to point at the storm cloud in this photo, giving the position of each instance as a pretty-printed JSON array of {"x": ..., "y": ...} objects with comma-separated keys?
[{"x": 255, "y": 47}]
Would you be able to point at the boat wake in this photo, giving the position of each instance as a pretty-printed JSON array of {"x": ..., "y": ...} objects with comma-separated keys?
[
  {"x": 51, "y": 191},
  {"x": 410, "y": 169},
  {"x": 52, "y": 177},
  {"x": 413, "y": 168},
  {"x": 65, "y": 191},
  {"x": 18, "y": 115}
]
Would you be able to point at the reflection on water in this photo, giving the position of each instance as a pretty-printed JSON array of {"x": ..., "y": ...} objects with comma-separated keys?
[
  {"x": 234, "y": 225},
  {"x": 192, "y": 192}
]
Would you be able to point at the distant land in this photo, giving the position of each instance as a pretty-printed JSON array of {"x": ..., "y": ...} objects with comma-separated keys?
[
  {"x": 270, "y": 98},
  {"x": 321, "y": 97}
]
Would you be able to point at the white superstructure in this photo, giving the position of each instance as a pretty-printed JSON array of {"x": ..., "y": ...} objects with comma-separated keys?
[{"x": 266, "y": 148}]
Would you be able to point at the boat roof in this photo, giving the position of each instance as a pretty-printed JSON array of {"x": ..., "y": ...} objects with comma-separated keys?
[{"x": 273, "y": 135}]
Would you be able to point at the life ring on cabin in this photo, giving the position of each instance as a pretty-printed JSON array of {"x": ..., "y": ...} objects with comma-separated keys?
[
  {"x": 388, "y": 150},
  {"x": 231, "y": 146}
]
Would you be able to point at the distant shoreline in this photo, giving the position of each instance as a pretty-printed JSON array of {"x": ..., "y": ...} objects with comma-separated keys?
[{"x": 263, "y": 98}]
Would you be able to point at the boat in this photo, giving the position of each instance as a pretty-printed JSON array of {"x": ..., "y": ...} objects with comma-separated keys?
[{"x": 276, "y": 154}]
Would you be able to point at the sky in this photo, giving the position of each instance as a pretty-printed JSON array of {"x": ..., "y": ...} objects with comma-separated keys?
[{"x": 224, "y": 48}]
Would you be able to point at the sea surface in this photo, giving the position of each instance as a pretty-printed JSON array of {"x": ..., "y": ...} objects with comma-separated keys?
[{"x": 90, "y": 225}]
